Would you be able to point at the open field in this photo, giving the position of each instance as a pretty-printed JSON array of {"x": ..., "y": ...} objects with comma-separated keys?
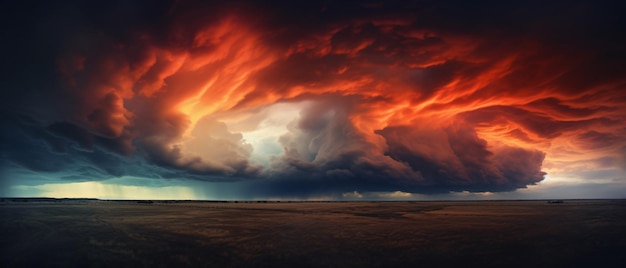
[{"x": 580, "y": 233}]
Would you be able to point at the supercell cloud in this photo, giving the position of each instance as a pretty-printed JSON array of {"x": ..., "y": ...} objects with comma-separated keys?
[{"x": 321, "y": 98}]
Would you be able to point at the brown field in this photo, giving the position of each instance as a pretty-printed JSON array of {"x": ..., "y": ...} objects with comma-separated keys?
[{"x": 580, "y": 233}]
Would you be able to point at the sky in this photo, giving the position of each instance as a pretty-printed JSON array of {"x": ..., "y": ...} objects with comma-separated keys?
[{"x": 313, "y": 100}]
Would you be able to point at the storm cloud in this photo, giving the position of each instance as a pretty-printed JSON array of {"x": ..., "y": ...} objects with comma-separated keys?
[{"x": 321, "y": 98}]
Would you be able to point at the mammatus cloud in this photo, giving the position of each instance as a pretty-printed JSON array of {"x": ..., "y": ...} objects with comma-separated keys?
[{"x": 332, "y": 98}]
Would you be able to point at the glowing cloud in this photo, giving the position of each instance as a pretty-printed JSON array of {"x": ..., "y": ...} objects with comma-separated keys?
[{"x": 335, "y": 99}]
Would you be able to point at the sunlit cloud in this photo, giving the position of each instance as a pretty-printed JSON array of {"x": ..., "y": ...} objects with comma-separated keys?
[
  {"x": 352, "y": 195},
  {"x": 298, "y": 103}
]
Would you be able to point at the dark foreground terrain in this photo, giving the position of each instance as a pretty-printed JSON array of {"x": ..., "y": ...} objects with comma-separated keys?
[{"x": 91, "y": 233}]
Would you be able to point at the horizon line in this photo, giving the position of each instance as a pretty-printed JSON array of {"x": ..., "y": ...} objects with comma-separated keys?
[{"x": 299, "y": 200}]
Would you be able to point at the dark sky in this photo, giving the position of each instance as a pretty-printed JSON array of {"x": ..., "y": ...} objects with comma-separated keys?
[{"x": 323, "y": 99}]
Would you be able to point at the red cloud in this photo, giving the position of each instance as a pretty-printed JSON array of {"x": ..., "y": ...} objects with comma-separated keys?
[{"x": 394, "y": 100}]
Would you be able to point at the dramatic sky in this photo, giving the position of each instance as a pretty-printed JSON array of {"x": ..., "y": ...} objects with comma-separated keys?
[{"x": 313, "y": 99}]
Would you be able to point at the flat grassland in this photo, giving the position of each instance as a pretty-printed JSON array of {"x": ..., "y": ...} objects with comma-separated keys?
[{"x": 576, "y": 233}]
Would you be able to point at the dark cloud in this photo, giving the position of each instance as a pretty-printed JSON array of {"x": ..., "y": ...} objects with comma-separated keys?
[
  {"x": 35, "y": 154},
  {"x": 32, "y": 147},
  {"x": 454, "y": 158}
]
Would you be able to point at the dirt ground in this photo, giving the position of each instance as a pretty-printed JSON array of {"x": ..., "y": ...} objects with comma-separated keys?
[{"x": 93, "y": 233}]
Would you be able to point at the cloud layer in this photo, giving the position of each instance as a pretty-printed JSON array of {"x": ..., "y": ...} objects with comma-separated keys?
[{"x": 326, "y": 98}]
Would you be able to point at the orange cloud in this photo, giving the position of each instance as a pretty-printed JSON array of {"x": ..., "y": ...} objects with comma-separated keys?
[{"x": 392, "y": 101}]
